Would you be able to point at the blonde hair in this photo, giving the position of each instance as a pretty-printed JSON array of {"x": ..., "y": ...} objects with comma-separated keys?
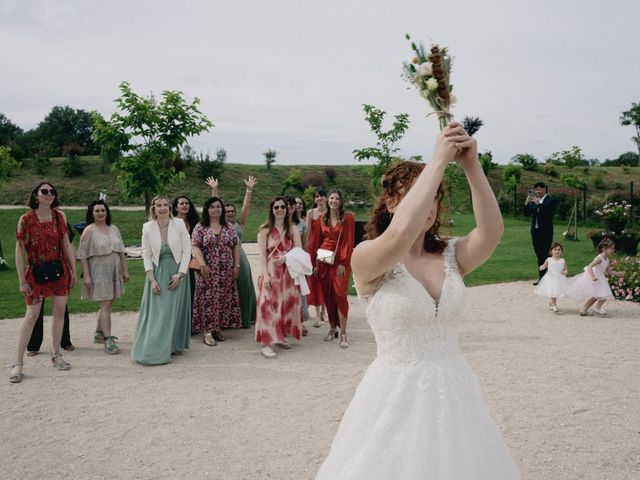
[{"x": 152, "y": 210}]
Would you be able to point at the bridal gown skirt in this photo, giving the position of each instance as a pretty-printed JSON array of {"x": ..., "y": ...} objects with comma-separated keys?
[{"x": 418, "y": 420}]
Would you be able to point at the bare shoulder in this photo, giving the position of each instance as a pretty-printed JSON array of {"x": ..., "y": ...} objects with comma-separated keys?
[{"x": 88, "y": 231}]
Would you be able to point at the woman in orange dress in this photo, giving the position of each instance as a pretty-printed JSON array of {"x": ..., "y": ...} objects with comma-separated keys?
[
  {"x": 314, "y": 217},
  {"x": 336, "y": 233},
  {"x": 41, "y": 243},
  {"x": 278, "y": 311}
]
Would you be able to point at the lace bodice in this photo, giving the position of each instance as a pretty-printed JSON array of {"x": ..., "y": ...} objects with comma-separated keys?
[{"x": 408, "y": 324}]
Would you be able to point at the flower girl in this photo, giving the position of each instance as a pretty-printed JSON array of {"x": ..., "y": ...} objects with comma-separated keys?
[
  {"x": 592, "y": 286},
  {"x": 554, "y": 283}
]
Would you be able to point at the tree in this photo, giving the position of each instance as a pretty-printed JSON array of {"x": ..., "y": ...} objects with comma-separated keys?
[
  {"x": 11, "y": 136},
  {"x": 486, "y": 161},
  {"x": 211, "y": 168},
  {"x": 64, "y": 126},
  {"x": 109, "y": 139},
  {"x": 511, "y": 176},
  {"x": 569, "y": 158},
  {"x": 632, "y": 117},
  {"x": 269, "y": 157},
  {"x": 7, "y": 163},
  {"x": 72, "y": 166},
  {"x": 385, "y": 150},
  {"x": 630, "y": 159},
  {"x": 528, "y": 161},
  {"x": 154, "y": 131}
]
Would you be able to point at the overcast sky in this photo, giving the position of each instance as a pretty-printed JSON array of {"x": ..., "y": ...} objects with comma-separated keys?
[{"x": 292, "y": 74}]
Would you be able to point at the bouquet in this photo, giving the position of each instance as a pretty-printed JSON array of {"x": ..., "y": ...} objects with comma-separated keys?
[{"x": 429, "y": 72}]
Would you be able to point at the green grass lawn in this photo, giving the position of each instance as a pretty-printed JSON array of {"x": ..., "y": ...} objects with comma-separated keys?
[{"x": 513, "y": 259}]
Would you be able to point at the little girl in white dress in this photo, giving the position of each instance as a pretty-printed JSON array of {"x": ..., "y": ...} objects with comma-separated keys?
[
  {"x": 592, "y": 286},
  {"x": 554, "y": 283}
]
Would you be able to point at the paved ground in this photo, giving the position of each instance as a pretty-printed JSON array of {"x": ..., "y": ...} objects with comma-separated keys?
[{"x": 563, "y": 389}]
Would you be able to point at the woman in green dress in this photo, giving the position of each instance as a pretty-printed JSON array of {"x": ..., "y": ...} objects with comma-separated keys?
[
  {"x": 164, "y": 321},
  {"x": 246, "y": 291}
]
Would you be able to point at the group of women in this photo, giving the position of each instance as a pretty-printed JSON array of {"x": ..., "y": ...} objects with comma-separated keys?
[{"x": 198, "y": 278}]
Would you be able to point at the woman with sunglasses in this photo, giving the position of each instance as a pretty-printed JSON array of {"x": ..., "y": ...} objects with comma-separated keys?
[
  {"x": 46, "y": 267},
  {"x": 246, "y": 292},
  {"x": 279, "y": 314},
  {"x": 314, "y": 218}
]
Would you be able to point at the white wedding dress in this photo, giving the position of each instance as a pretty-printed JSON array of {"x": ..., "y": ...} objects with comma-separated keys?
[{"x": 418, "y": 413}]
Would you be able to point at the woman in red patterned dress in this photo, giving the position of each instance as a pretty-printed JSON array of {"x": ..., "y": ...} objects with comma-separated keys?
[
  {"x": 216, "y": 304},
  {"x": 314, "y": 217},
  {"x": 336, "y": 233},
  {"x": 278, "y": 313},
  {"x": 41, "y": 237}
]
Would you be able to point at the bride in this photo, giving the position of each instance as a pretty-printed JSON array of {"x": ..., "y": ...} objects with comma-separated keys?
[{"x": 418, "y": 412}]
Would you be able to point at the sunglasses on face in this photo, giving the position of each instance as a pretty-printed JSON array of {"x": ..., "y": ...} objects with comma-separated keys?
[
  {"x": 279, "y": 207},
  {"x": 46, "y": 191}
]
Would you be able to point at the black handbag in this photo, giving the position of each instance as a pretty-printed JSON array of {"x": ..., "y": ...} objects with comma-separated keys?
[{"x": 49, "y": 271}]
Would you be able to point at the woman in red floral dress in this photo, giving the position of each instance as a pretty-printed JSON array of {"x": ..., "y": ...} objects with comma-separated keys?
[
  {"x": 216, "y": 247},
  {"x": 336, "y": 233},
  {"x": 41, "y": 237},
  {"x": 278, "y": 312}
]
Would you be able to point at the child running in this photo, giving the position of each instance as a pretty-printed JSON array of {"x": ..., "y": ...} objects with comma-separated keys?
[
  {"x": 554, "y": 283},
  {"x": 592, "y": 286}
]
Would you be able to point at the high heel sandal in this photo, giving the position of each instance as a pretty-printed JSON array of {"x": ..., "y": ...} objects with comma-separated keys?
[
  {"x": 208, "y": 339},
  {"x": 331, "y": 335},
  {"x": 60, "y": 363},
  {"x": 316, "y": 324},
  {"x": 17, "y": 376},
  {"x": 343, "y": 341}
]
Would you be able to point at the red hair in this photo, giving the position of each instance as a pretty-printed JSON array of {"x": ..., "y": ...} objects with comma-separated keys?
[{"x": 395, "y": 185}]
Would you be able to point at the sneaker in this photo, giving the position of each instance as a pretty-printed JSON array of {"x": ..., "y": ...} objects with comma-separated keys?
[
  {"x": 267, "y": 352},
  {"x": 98, "y": 337},
  {"x": 600, "y": 311}
]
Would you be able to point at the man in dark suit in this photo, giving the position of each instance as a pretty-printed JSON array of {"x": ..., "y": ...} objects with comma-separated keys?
[{"x": 541, "y": 207}]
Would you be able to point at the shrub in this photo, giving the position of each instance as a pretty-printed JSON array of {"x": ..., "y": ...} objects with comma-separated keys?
[
  {"x": 72, "y": 165},
  {"x": 7, "y": 163},
  {"x": 293, "y": 181},
  {"x": 627, "y": 287},
  {"x": 598, "y": 182},
  {"x": 486, "y": 161},
  {"x": 41, "y": 162},
  {"x": 211, "y": 168},
  {"x": 313, "y": 180},
  {"x": 512, "y": 174},
  {"x": 308, "y": 196},
  {"x": 330, "y": 173},
  {"x": 528, "y": 161},
  {"x": 550, "y": 169}
]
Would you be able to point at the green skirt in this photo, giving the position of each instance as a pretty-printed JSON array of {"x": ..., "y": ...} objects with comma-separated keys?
[
  {"x": 164, "y": 321},
  {"x": 246, "y": 292}
]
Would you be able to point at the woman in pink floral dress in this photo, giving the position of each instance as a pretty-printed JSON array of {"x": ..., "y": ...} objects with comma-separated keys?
[
  {"x": 217, "y": 249},
  {"x": 278, "y": 314}
]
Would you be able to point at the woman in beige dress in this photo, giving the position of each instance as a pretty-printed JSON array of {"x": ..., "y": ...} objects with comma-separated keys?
[{"x": 104, "y": 268}]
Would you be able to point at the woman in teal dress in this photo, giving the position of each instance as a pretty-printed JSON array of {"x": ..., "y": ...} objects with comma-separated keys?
[
  {"x": 246, "y": 290},
  {"x": 164, "y": 321}
]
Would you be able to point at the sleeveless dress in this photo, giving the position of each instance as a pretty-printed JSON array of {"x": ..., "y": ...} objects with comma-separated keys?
[
  {"x": 246, "y": 292},
  {"x": 582, "y": 287},
  {"x": 315, "y": 289},
  {"x": 163, "y": 325},
  {"x": 102, "y": 252},
  {"x": 279, "y": 314},
  {"x": 418, "y": 413},
  {"x": 553, "y": 283}
]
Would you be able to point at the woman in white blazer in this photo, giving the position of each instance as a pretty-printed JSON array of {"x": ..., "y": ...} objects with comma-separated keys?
[{"x": 164, "y": 321}]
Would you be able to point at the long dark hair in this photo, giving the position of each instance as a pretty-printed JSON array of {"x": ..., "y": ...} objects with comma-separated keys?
[
  {"x": 271, "y": 218},
  {"x": 318, "y": 191},
  {"x": 206, "y": 220},
  {"x": 192, "y": 215},
  {"x": 89, "y": 216},
  {"x": 327, "y": 215},
  {"x": 33, "y": 196},
  {"x": 291, "y": 202},
  {"x": 304, "y": 205},
  {"x": 395, "y": 184}
]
